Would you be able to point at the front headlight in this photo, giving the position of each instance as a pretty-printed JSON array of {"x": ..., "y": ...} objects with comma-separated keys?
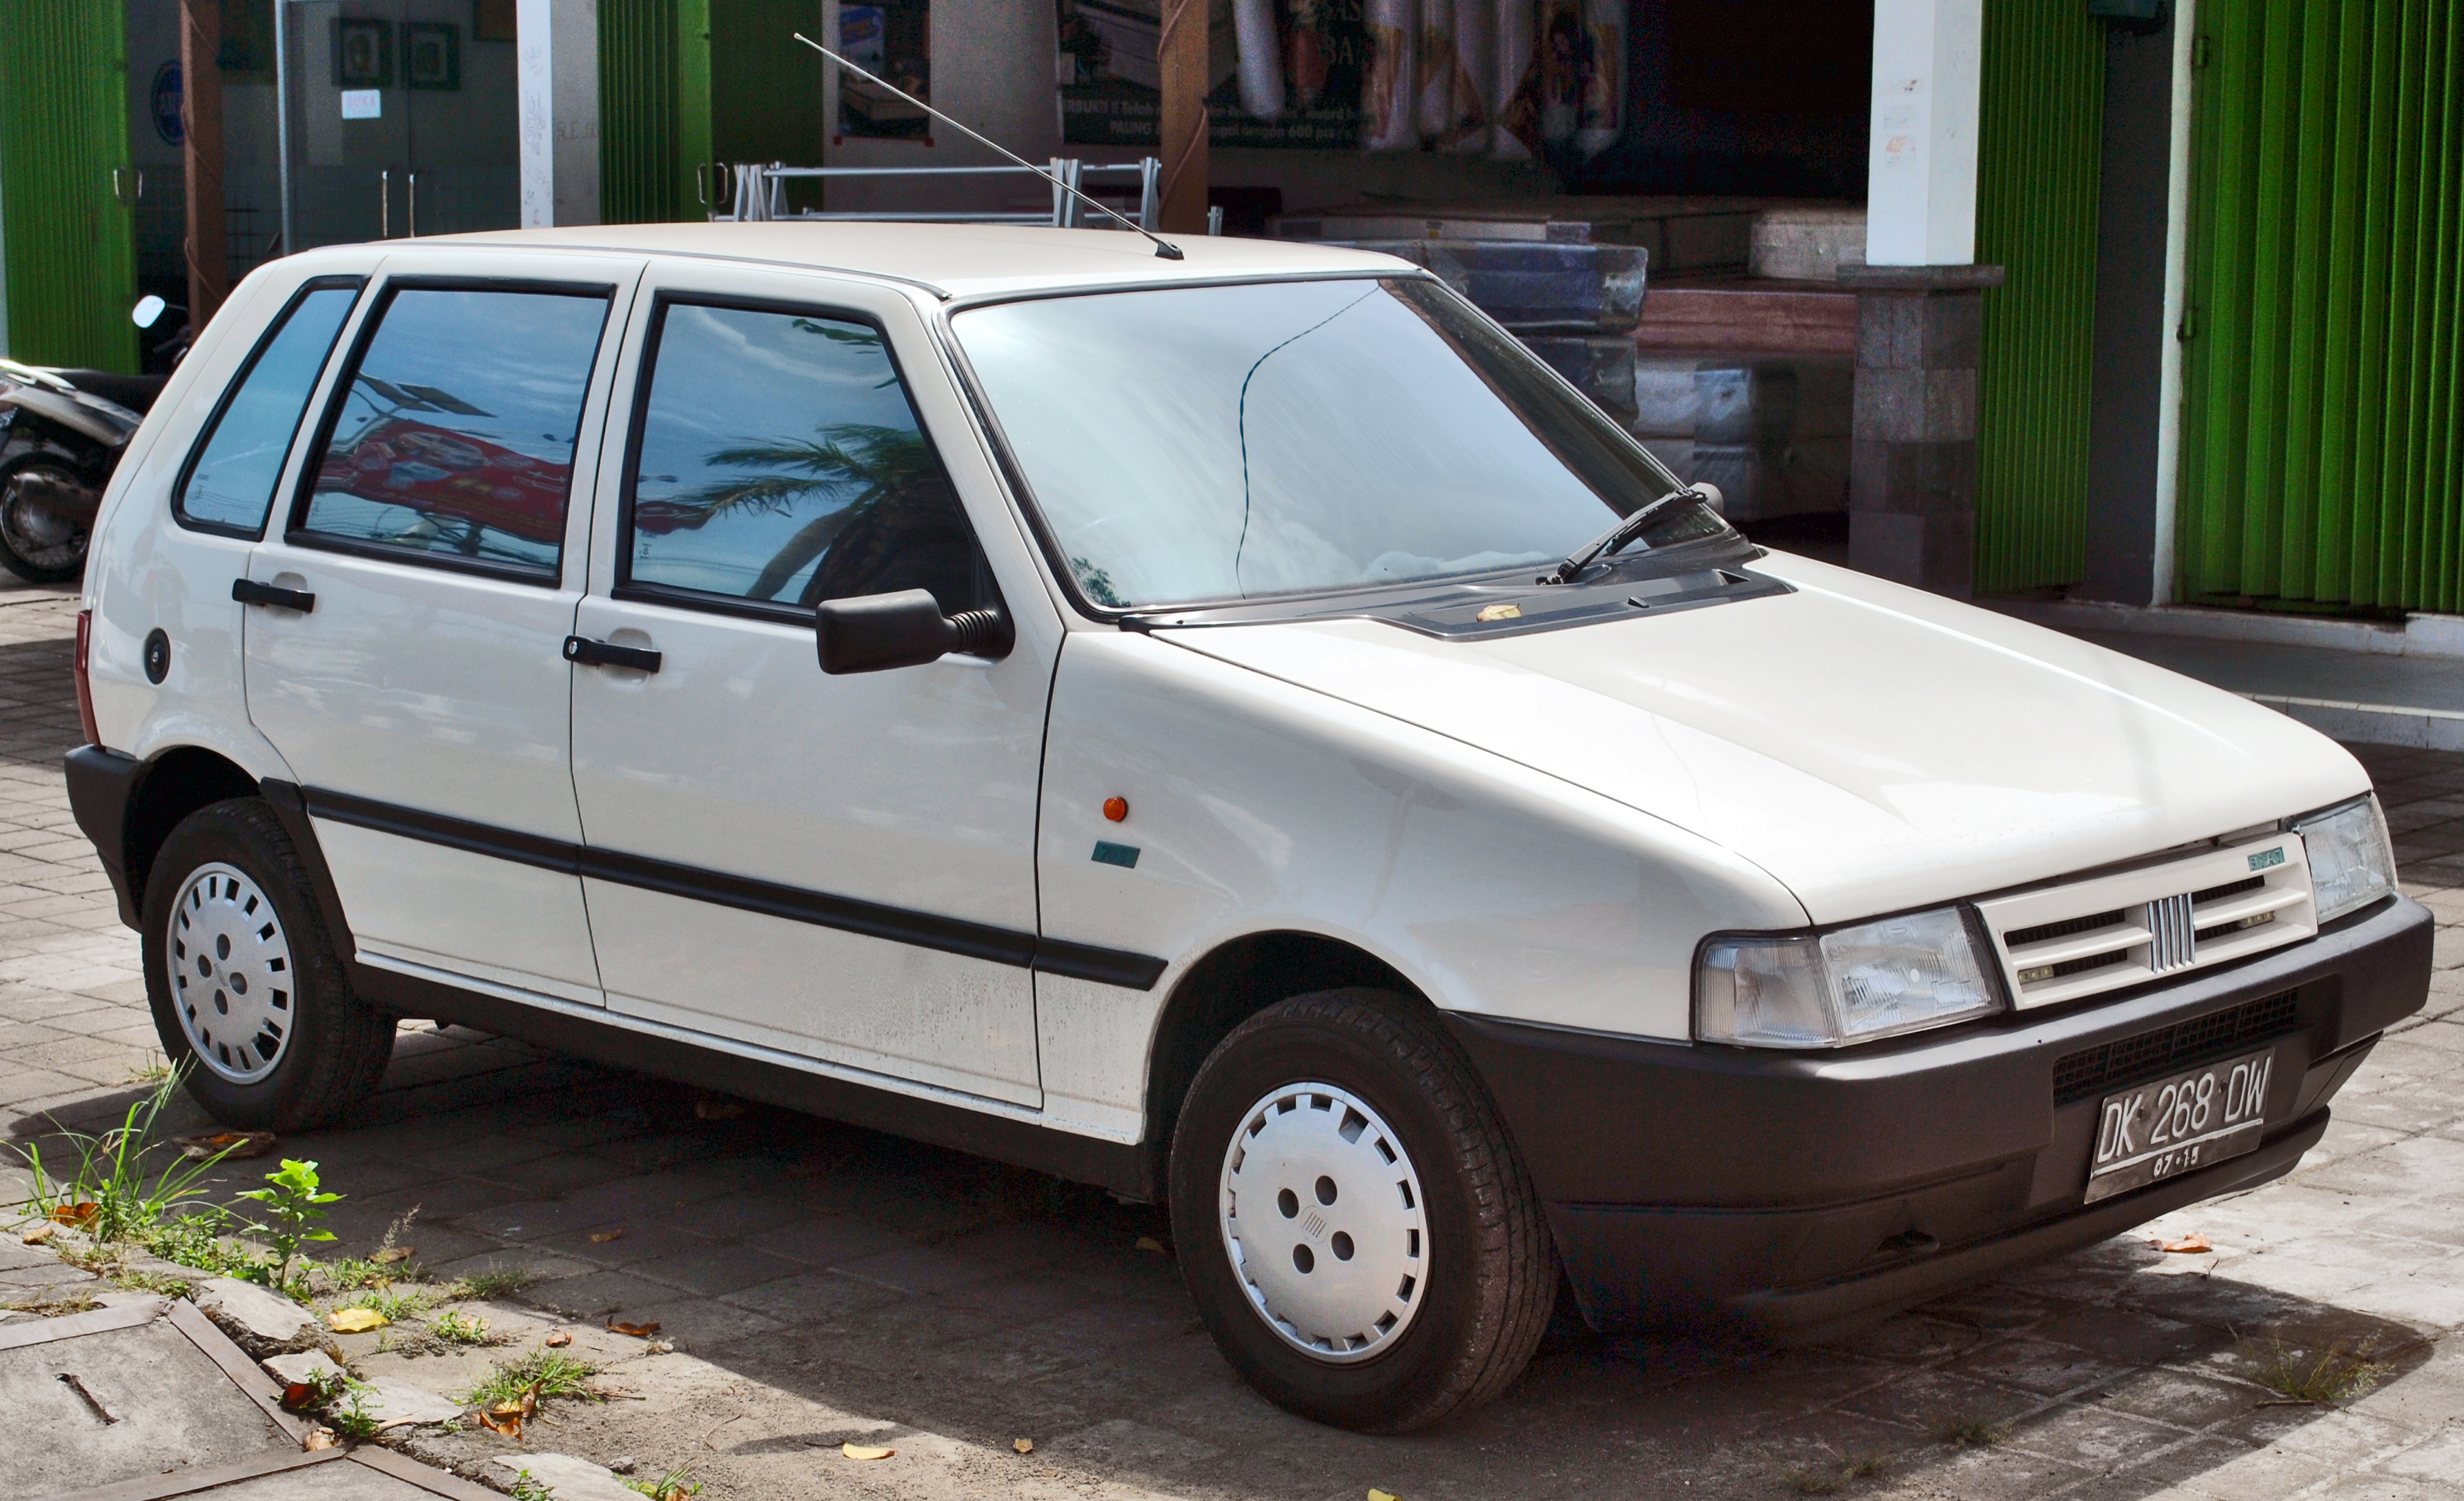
[
  {"x": 1847, "y": 985},
  {"x": 2352, "y": 863}
]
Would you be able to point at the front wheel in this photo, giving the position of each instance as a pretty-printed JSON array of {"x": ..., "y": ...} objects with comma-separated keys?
[
  {"x": 1354, "y": 1226},
  {"x": 246, "y": 988},
  {"x": 37, "y": 543}
]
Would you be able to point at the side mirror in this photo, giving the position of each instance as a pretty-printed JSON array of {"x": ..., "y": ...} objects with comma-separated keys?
[{"x": 874, "y": 633}]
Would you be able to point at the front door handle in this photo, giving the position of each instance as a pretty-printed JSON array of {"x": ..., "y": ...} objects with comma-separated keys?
[
  {"x": 247, "y": 591},
  {"x": 586, "y": 653}
]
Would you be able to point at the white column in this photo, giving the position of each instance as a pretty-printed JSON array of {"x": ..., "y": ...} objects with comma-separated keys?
[
  {"x": 559, "y": 69},
  {"x": 1921, "y": 168}
]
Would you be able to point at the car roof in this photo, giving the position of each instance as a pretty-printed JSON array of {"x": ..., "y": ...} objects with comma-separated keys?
[{"x": 957, "y": 261}]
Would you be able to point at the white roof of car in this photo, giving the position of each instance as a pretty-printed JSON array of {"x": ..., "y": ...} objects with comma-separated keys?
[{"x": 965, "y": 259}]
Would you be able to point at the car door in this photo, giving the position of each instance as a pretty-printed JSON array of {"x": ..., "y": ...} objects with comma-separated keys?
[
  {"x": 405, "y": 640},
  {"x": 839, "y": 867}
]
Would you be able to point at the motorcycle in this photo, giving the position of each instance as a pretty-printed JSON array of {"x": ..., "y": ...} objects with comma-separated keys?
[{"x": 62, "y": 435}]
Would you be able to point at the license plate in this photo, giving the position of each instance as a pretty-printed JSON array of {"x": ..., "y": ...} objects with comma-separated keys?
[{"x": 2191, "y": 1120}]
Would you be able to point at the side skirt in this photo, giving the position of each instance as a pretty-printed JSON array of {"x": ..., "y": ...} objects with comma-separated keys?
[{"x": 1122, "y": 1168}]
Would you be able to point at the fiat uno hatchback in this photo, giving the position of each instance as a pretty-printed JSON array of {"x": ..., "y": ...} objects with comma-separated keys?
[{"x": 1239, "y": 731}]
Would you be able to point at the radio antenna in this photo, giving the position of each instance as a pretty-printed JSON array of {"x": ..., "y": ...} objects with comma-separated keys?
[{"x": 1164, "y": 248}]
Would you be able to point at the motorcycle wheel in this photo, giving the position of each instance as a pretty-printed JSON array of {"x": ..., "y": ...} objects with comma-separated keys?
[{"x": 36, "y": 544}]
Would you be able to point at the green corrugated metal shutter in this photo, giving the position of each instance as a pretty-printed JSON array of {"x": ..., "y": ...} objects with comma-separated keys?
[
  {"x": 72, "y": 249},
  {"x": 2039, "y": 159},
  {"x": 653, "y": 109},
  {"x": 2321, "y": 466}
]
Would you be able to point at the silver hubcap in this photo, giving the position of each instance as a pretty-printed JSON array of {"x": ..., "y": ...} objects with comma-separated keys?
[
  {"x": 231, "y": 974},
  {"x": 1323, "y": 1220}
]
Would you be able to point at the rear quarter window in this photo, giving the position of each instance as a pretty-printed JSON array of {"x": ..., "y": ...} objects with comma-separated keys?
[{"x": 229, "y": 486}]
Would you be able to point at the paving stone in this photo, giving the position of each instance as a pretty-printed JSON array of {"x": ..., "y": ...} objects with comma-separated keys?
[
  {"x": 259, "y": 1320},
  {"x": 571, "y": 1479},
  {"x": 308, "y": 1365}
]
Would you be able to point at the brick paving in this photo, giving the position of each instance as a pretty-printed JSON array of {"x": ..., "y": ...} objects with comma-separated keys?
[{"x": 822, "y": 1283}]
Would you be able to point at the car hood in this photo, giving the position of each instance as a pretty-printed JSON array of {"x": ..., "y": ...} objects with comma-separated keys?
[{"x": 1873, "y": 748}]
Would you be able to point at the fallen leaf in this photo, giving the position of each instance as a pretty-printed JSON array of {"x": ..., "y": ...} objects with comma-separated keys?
[
  {"x": 224, "y": 1145},
  {"x": 75, "y": 1214},
  {"x": 865, "y": 1451},
  {"x": 1148, "y": 1243},
  {"x": 637, "y": 1331},
  {"x": 39, "y": 1233},
  {"x": 319, "y": 1439},
  {"x": 505, "y": 1418},
  {"x": 1375, "y": 1495},
  {"x": 559, "y": 1340},
  {"x": 2191, "y": 1244},
  {"x": 602, "y": 1237},
  {"x": 658, "y": 1347},
  {"x": 1022, "y": 1446},
  {"x": 717, "y": 1109},
  {"x": 298, "y": 1395},
  {"x": 354, "y": 1320},
  {"x": 394, "y": 1253}
]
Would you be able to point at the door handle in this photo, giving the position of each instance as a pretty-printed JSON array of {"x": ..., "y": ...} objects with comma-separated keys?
[
  {"x": 586, "y": 653},
  {"x": 247, "y": 591}
]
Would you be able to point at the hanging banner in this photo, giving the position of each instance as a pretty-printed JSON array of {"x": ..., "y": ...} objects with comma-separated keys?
[
  {"x": 1572, "y": 91},
  {"x": 1282, "y": 73}
]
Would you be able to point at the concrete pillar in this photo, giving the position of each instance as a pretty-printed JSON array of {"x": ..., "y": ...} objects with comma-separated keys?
[
  {"x": 200, "y": 109},
  {"x": 2127, "y": 400},
  {"x": 558, "y": 69},
  {"x": 1921, "y": 166},
  {"x": 1920, "y": 313},
  {"x": 1912, "y": 463}
]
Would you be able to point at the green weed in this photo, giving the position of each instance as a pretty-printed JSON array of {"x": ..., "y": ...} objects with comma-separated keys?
[
  {"x": 347, "y": 1410},
  {"x": 525, "y": 1489},
  {"x": 293, "y": 1201},
  {"x": 2338, "y": 1373},
  {"x": 496, "y": 1282},
  {"x": 105, "y": 1194},
  {"x": 457, "y": 1327},
  {"x": 1967, "y": 1432},
  {"x": 544, "y": 1372},
  {"x": 675, "y": 1485}
]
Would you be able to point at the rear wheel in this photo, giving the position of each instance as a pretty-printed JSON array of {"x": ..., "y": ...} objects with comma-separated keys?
[
  {"x": 1354, "y": 1226},
  {"x": 246, "y": 987},
  {"x": 37, "y": 543}
]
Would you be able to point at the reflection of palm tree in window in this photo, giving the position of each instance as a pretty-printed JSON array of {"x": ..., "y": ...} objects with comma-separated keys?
[{"x": 886, "y": 485}]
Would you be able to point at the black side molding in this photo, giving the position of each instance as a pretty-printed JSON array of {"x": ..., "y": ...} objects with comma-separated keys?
[
  {"x": 247, "y": 591},
  {"x": 102, "y": 787},
  {"x": 848, "y": 914}
]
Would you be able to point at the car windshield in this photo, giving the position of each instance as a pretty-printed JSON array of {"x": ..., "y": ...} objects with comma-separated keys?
[{"x": 1196, "y": 445}]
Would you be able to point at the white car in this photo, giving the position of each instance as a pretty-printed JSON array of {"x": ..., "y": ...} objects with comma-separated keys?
[{"x": 1237, "y": 730}]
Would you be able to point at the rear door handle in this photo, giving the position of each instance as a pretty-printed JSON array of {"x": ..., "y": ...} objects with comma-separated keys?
[
  {"x": 586, "y": 653},
  {"x": 247, "y": 591}
]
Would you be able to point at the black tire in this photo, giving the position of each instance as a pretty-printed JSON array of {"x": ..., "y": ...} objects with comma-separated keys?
[
  {"x": 38, "y": 548},
  {"x": 1490, "y": 1278},
  {"x": 332, "y": 1048}
]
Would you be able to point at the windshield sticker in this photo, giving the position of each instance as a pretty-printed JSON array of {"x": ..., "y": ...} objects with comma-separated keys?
[{"x": 1106, "y": 853}]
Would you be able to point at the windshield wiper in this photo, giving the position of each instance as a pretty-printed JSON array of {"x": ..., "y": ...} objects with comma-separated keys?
[{"x": 1616, "y": 537}]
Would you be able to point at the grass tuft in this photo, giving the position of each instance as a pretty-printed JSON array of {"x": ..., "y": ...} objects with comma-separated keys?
[
  {"x": 494, "y": 1283},
  {"x": 547, "y": 1373},
  {"x": 2340, "y": 1372},
  {"x": 677, "y": 1485},
  {"x": 457, "y": 1327},
  {"x": 1968, "y": 1432}
]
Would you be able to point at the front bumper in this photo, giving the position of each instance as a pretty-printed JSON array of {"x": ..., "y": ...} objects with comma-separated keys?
[{"x": 1800, "y": 1194}]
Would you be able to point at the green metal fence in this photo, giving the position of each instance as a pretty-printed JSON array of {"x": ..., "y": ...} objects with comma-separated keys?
[
  {"x": 66, "y": 185},
  {"x": 2039, "y": 156},
  {"x": 2321, "y": 464}
]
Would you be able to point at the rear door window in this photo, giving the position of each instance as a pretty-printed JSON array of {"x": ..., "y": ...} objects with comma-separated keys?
[
  {"x": 778, "y": 461},
  {"x": 452, "y": 443},
  {"x": 229, "y": 483}
]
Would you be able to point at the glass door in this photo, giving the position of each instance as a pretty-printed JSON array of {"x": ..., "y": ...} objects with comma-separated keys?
[{"x": 402, "y": 119}]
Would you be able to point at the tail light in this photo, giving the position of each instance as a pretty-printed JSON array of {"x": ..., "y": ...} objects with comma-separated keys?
[{"x": 84, "y": 681}]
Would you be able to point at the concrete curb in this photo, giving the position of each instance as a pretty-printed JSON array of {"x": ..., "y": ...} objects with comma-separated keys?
[{"x": 2372, "y": 723}]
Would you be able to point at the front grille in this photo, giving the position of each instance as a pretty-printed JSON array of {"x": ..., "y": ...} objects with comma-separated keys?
[
  {"x": 2062, "y": 929},
  {"x": 2092, "y": 1071},
  {"x": 2229, "y": 889},
  {"x": 2080, "y": 966}
]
